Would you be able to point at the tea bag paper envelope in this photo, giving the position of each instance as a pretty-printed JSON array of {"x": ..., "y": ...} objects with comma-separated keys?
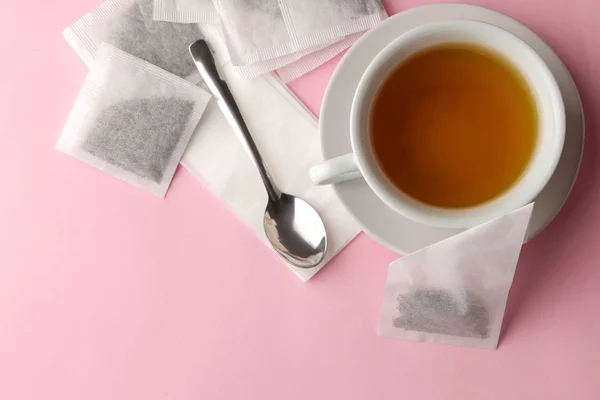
[
  {"x": 287, "y": 136},
  {"x": 455, "y": 291}
]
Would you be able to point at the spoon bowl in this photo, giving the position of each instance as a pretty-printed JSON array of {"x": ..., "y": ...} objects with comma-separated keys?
[{"x": 296, "y": 231}]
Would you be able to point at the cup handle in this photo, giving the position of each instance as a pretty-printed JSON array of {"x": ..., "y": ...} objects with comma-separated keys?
[{"x": 339, "y": 169}]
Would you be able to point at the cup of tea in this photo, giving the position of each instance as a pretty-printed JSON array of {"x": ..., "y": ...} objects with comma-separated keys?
[{"x": 452, "y": 124}]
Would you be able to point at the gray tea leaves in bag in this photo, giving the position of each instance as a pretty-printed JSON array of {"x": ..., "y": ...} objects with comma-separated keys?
[
  {"x": 163, "y": 44},
  {"x": 129, "y": 26},
  {"x": 139, "y": 135},
  {"x": 444, "y": 312},
  {"x": 133, "y": 120}
]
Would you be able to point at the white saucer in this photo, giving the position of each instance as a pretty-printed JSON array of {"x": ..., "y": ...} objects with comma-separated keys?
[{"x": 379, "y": 221}]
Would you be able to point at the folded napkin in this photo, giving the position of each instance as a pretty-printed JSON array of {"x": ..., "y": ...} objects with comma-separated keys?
[{"x": 286, "y": 134}]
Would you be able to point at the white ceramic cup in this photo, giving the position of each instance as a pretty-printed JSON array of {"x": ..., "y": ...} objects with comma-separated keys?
[{"x": 362, "y": 162}]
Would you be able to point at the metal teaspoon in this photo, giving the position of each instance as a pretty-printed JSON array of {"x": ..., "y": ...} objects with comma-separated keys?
[{"x": 293, "y": 227}]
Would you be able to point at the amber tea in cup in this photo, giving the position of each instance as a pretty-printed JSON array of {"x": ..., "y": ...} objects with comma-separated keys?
[{"x": 454, "y": 126}]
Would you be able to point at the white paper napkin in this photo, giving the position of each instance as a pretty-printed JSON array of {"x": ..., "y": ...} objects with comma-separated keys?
[
  {"x": 286, "y": 134},
  {"x": 455, "y": 291}
]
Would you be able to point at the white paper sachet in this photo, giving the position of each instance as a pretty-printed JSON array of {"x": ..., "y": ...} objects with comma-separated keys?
[
  {"x": 455, "y": 291},
  {"x": 129, "y": 26},
  {"x": 287, "y": 136},
  {"x": 133, "y": 120},
  {"x": 263, "y": 30},
  {"x": 186, "y": 11}
]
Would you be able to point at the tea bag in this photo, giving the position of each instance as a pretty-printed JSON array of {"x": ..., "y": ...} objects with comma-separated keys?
[
  {"x": 186, "y": 11},
  {"x": 133, "y": 120},
  {"x": 455, "y": 291},
  {"x": 258, "y": 30},
  {"x": 129, "y": 26}
]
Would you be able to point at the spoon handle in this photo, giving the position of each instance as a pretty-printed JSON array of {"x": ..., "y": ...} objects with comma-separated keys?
[{"x": 205, "y": 63}]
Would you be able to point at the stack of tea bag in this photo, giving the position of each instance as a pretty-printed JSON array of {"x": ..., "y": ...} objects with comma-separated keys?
[
  {"x": 141, "y": 105},
  {"x": 290, "y": 36}
]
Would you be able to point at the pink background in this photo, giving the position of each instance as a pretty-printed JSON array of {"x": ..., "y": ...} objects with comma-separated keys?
[{"x": 107, "y": 292}]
